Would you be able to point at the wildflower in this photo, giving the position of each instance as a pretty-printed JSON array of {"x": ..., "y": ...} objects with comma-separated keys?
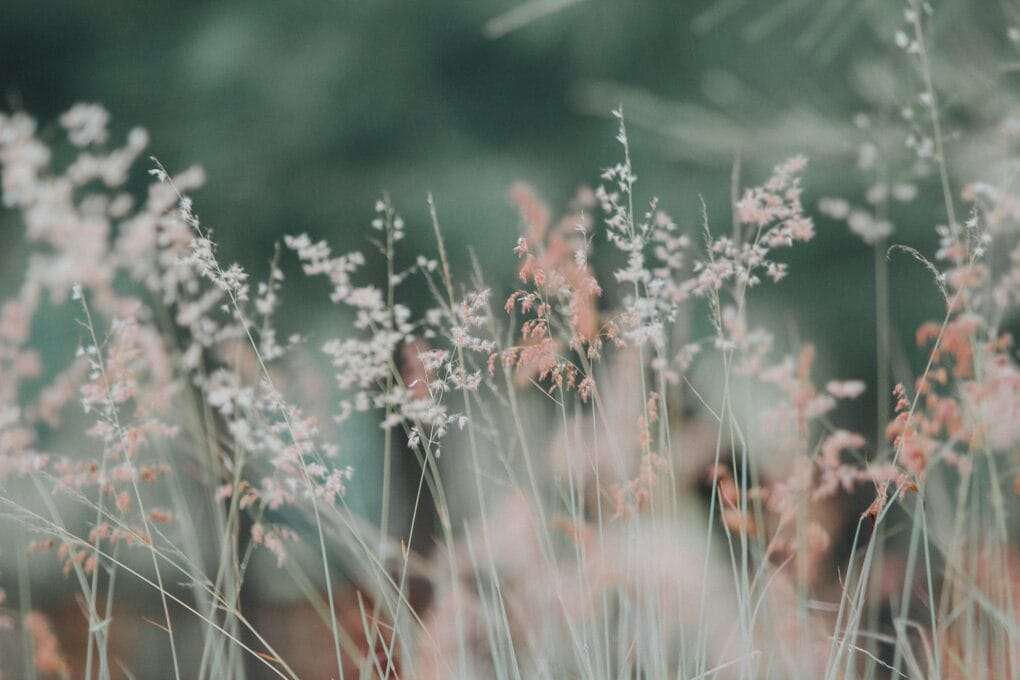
[
  {"x": 160, "y": 516},
  {"x": 878, "y": 505},
  {"x": 835, "y": 475},
  {"x": 850, "y": 389},
  {"x": 871, "y": 230},
  {"x": 775, "y": 212},
  {"x": 46, "y": 653},
  {"x": 273, "y": 539},
  {"x": 123, "y": 501},
  {"x": 85, "y": 124}
]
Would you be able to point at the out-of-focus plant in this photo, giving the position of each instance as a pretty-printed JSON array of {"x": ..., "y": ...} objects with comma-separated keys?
[{"x": 615, "y": 493}]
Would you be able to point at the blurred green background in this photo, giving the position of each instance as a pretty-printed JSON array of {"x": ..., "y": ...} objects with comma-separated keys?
[{"x": 304, "y": 112}]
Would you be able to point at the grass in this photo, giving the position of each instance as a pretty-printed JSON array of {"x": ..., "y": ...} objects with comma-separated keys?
[{"x": 600, "y": 490}]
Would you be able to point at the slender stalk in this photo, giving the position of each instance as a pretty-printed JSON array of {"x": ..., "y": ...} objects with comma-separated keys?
[
  {"x": 936, "y": 120},
  {"x": 235, "y": 306},
  {"x": 112, "y": 413},
  {"x": 883, "y": 327}
]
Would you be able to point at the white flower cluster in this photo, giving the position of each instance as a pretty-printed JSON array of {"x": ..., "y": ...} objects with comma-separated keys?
[
  {"x": 365, "y": 365},
  {"x": 773, "y": 217}
]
